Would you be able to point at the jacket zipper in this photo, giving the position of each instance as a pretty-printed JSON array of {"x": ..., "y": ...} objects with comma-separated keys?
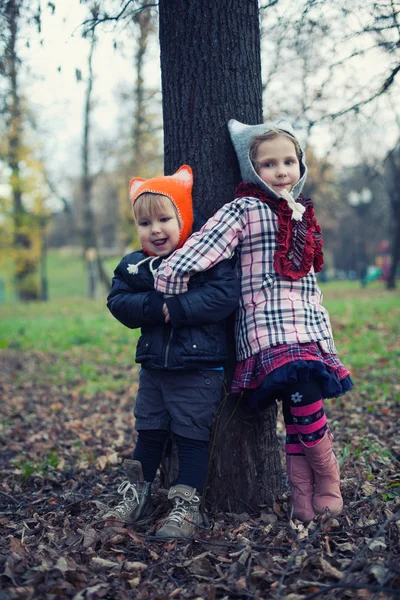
[{"x": 167, "y": 348}]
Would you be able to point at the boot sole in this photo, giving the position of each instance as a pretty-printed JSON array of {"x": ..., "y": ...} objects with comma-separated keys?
[{"x": 334, "y": 513}]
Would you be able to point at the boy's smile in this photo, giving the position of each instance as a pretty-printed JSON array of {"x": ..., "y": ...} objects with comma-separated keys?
[
  {"x": 159, "y": 233},
  {"x": 277, "y": 163}
]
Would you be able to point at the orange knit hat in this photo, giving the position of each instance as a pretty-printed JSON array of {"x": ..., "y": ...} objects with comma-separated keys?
[{"x": 178, "y": 188}]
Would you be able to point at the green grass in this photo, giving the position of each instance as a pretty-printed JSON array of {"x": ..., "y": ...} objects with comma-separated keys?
[
  {"x": 86, "y": 342},
  {"x": 65, "y": 274},
  {"x": 57, "y": 326},
  {"x": 366, "y": 324},
  {"x": 82, "y": 343}
]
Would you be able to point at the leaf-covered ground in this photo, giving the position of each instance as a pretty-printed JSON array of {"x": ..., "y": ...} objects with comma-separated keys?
[{"x": 60, "y": 457}]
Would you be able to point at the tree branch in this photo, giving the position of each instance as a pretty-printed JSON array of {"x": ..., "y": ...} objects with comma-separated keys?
[
  {"x": 395, "y": 19},
  {"x": 272, "y": 3},
  {"x": 53, "y": 189},
  {"x": 355, "y": 107},
  {"x": 93, "y": 23}
]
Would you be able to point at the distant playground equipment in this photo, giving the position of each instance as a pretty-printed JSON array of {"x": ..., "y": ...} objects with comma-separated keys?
[
  {"x": 383, "y": 260},
  {"x": 364, "y": 273},
  {"x": 373, "y": 273}
]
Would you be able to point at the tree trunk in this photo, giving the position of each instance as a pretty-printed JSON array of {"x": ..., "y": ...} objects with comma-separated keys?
[
  {"x": 211, "y": 72},
  {"x": 391, "y": 283},
  {"x": 393, "y": 159},
  {"x": 26, "y": 278},
  {"x": 143, "y": 19},
  {"x": 95, "y": 272}
]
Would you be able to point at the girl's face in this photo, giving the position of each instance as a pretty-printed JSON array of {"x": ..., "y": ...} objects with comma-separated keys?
[
  {"x": 277, "y": 163},
  {"x": 159, "y": 233}
]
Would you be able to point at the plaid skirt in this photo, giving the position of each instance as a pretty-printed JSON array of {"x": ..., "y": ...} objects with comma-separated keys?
[{"x": 273, "y": 367}]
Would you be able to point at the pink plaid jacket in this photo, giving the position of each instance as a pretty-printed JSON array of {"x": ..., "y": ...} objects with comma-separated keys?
[{"x": 273, "y": 310}]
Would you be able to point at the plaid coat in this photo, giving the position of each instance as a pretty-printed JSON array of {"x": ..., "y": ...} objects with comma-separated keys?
[{"x": 273, "y": 310}]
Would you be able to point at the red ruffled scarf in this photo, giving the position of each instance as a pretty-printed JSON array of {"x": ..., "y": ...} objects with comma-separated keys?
[{"x": 299, "y": 242}]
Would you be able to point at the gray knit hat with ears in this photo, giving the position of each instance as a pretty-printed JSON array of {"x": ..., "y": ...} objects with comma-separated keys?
[{"x": 241, "y": 136}]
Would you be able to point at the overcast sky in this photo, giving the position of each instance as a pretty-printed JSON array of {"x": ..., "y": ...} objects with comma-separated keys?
[
  {"x": 54, "y": 94},
  {"x": 57, "y": 99}
]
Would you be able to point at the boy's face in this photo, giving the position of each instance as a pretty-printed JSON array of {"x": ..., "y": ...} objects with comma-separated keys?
[
  {"x": 159, "y": 234},
  {"x": 277, "y": 163}
]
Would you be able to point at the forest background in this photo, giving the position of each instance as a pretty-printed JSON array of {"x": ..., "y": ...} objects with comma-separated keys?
[{"x": 82, "y": 115}]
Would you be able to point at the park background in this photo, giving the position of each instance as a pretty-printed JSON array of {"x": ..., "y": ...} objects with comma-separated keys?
[{"x": 82, "y": 113}]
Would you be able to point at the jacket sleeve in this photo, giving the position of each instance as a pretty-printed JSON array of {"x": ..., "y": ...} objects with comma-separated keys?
[
  {"x": 133, "y": 308},
  {"x": 214, "y": 300},
  {"x": 216, "y": 241}
]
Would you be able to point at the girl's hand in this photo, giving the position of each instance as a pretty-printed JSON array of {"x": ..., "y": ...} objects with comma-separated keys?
[{"x": 166, "y": 313}]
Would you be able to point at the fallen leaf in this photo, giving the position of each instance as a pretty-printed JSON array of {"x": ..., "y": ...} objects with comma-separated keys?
[
  {"x": 104, "y": 563},
  {"x": 379, "y": 572},
  {"x": 89, "y": 538},
  {"x": 329, "y": 570},
  {"x": 377, "y": 544},
  {"x": 93, "y": 592},
  {"x": 134, "y": 566},
  {"x": 368, "y": 488}
]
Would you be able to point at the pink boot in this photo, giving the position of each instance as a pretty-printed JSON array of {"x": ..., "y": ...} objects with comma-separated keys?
[
  {"x": 301, "y": 481},
  {"x": 326, "y": 475}
]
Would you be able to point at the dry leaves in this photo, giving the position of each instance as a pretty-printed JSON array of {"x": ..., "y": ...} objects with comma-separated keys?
[{"x": 60, "y": 467}]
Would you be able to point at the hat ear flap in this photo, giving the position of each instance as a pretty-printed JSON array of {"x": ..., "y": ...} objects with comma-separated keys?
[
  {"x": 185, "y": 175},
  {"x": 236, "y": 127},
  {"x": 134, "y": 185}
]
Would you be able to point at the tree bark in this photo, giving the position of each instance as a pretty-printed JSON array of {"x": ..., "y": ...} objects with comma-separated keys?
[
  {"x": 144, "y": 21},
  {"x": 95, "y": 271},
  {"x": 211, "y": 72},
  {"x": 391, "y": 283},
  {"x": 26, "y": 280},
  {"x": 393, "y": 159}
]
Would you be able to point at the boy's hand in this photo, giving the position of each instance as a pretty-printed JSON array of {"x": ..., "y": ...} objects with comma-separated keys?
[{"x": 166, "y": 313}]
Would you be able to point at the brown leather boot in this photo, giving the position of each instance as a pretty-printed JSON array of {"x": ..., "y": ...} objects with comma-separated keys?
[
  {"x": 326, "y": 476},
  {"x": 301, "y": 481}
]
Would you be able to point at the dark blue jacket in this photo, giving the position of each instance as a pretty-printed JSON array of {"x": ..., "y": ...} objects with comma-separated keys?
[{"x": 196, "y": 336}]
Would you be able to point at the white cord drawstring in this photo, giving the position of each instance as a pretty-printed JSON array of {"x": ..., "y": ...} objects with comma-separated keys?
[{"x": 134, "y": 269}]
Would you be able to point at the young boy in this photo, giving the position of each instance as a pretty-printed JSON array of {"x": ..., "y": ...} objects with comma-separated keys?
[{"x": 182, "y": 350}]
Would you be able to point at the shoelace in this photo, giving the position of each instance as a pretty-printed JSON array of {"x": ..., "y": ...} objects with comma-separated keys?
[
  {"x": 179, "y": 512},
  {"x": 124, "y": 488}
]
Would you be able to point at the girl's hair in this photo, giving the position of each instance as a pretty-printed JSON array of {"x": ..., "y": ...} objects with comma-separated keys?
[
  {"x": 150, "y": 205},
  {"x": 271, "y": 134}
]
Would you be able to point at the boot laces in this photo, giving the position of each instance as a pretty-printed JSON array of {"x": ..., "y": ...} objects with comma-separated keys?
[
  {"x": 130, "y": 496},
  {"x": 180, "y": 510}
]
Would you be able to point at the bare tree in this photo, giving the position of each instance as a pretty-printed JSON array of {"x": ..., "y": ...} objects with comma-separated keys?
[
  {"x": 27, "y": 264},
  {"x": 317, "y": 41},
  {"x": 144, "y": 21},
  {"x": 94, "y": 265},
  {"x": 392, "y": 178},
  {"x": 343, "y": 63}
]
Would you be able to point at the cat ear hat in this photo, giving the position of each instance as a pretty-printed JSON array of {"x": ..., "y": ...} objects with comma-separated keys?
[
  {"x": 241, "y": 136},
  {"x": 178, "y": 188}
]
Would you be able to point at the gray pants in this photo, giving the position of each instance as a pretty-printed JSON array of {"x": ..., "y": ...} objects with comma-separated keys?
[{"x": 180, "y": 401}]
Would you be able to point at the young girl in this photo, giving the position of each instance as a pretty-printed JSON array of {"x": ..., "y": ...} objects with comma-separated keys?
[
  {"x": 285, "y": 347},
  {"x": 182, "y": 350}
]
